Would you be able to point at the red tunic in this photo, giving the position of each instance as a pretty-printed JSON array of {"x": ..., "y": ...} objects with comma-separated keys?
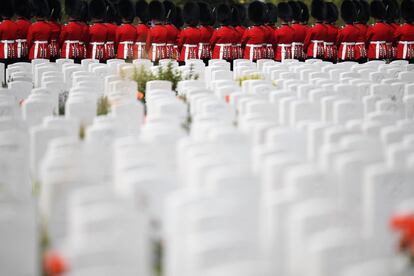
[
  {"x": 204, "y": 48},
  {"x": 156, "y": 42},
  {"x": 38, "y": 39},
  {"x": 330, "y": 49},
  {"x": 70, "y": 35},
  {"x": 299, "y": 36},
  {"x": 98, "y": 34},
  {"x": 23, "y": 26},
  {"x": 360, "y": 45},
  {"x": 237, "y": 51},
  {"x": 314, "y": 41},
  {"x": 188, "y": 41},
  {"x": 269, "y": 51},
  {"x": 8, "y": 32},
  {"x": 54, "y": 49},
  {"x": 283, "y": 37},
  {"x": 125, "y": 38},
  {"x": 348, "y": 35},
  {"x": 404, "y": 37},
  {"x": 378, "y": 35},
  {"x": 110, "y": 43},
  {"x": 253, "y": 39},
  {"x": 172, "y": 36},
  {"x": 140, "y": 47},
  {"x": 221, "y": 42}
]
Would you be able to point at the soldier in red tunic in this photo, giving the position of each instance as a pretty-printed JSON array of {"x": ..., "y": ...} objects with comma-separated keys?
[
  {"x": 206, "y": 31},
  {"x": 141, "y": 10},
  {"x": 237, "y": 51},
  {"x": 284, "y": 35},
  {"x": 269, "y": 50},
  {"x": 404, "y": 35},
  {"x": 172, "y": 30},
  {"x": 83, "y": 42},
  {"x": 8, "y": 31},
  {"x": 299, "y": 31},
  {"x": 223, "y": 37},
  {"x": 39, "y": 34},
  {"x": 348, "y": 35},
  {"x": 379, "y": 33},
  {"x": 98, "y": 32},
  {"x": 255, "y": 36},
  {"x": 55, "y": 16},
  {"x": 71, "y": 33},
  {"x": 392, "y": 17},
  {"x": 189, "y": 37},
  {"x": 315, "y": 37},
  {"x": 330, "y": 49},
  {"x": 361, "y": 24},
  {"x": 126, "y": 34},
  {"x": 157, "y": 35},
  {"x": 111, "y": 26},
  {"x": 23, "y": 9}
]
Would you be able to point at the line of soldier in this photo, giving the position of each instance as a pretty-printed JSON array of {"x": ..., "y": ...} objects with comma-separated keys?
[{"x": 104, "y": 29}]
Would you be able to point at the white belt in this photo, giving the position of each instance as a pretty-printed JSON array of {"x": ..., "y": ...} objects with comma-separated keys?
[
  {"x": 345, "y": 44},
  {"x": 154, "y": 49},
  {"x": 170, "y": 44},
  {"x": 297, "y": 44},
  {"x": 110, "y": 42},
  {"x": 6, "y": 47},
  {"x": 222, "y": 45},
  {"x": 284, "y": 46},
  {"x": 68, "y": 43},
  {"x": 329, "y": 43},
  {"x": 315, "y": 46},
  {"x": 94, "y": 46},
  {"x": 360, "y": 43},
  {"x": 187, "y": 48},
  {"x": 36, "y": 49},
  {"x": 252, "y": 47},
  {"x": 140, "y": 43},
  {"x": 377, "y": 47},
  {"x": 126, "y": 47},
  {"x": 405, "y": 47}
]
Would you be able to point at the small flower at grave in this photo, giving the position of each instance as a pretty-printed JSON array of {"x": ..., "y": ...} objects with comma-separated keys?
[
  {"x": 54, "y": 263},
  {"x": 404, "y": 225}
]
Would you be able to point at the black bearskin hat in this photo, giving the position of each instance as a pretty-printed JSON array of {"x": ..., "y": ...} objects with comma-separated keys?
[
  {"x": 111, "y": 13},
  {"x": 296, "y": 9},
  {"x": 272, "y": 13},
  {"x": 378, "y": 10},
  {"x": 179, "y": 21},
  {"x": 348, "y": 11},
  {"x": 41, "y": 8},
  {"x": 191, "y": 13},
  {"x": 84, "y": 12},
  {"x": 304, "y": 12},
  {"x": 284, "y": 11},
  {"x": 170, "y": 11},
  {"x": 141, "y": 10},
  {"x": 363, "y": 11},
  {"x": 55, "y": 10},
  {"x": 256, "y": 12},
  {"x": 331, "y": 12},
  {"x": 205, "y": 13},
  {"x": 235, "y": 17},
  {"x": 223, "y": 14},
  {"x": 407, "y": 7},
  {"x": 23, "y": 8},
  {"x": 97, "y": 9},
  {"x": 126, "y": 10},
  {"x": 156, "y": 10},
  {"x": 393, "y": 10},
  {"x": 318, "y": 10},
  {"x": 6, "y": 8},
  {"x": 242, "y": 12},
  {"x": 73, "y": 8}
]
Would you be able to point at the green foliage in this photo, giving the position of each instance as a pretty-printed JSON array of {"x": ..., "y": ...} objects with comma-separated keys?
[
  {"x": 168, "y": 73},
  {"x": 103, "y": 106},
  {"x": 249, "y": 77}
]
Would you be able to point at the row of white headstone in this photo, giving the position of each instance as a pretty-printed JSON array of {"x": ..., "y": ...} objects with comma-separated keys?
[{"x": 296, "y": 171}]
